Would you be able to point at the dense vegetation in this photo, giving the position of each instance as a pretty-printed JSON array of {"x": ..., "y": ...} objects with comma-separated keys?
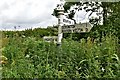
[
  {"x": 30, "y": 57},
  {"x": 90, "y": 55}
]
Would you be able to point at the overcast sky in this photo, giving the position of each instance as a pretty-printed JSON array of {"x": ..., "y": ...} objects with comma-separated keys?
[{"x": 27, "y": 13}]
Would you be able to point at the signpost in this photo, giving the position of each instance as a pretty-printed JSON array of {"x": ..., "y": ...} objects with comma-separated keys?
[
  {"x": 50, "y": 39},
  {"x": 60, "y": 10},
  {"x": 77, "y": 28},
  {"x": 67, "y": 21},
  {"x": 66, "y": 25}
]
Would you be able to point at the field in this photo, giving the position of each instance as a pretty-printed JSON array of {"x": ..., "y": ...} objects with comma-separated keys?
[{"x": 30, "y": 57}]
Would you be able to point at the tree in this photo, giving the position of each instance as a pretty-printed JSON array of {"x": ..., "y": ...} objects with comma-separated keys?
[{"x": 88, "y": 7}]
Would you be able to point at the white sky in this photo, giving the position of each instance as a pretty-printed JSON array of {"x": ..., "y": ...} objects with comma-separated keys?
[{"x": 28, "y": 13}]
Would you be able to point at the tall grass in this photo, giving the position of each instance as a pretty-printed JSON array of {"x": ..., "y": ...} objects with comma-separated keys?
[{"x": 32, "y": 58}]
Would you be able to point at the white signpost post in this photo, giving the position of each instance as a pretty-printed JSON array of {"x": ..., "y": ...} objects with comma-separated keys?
[{"x": 60, "y": 10}]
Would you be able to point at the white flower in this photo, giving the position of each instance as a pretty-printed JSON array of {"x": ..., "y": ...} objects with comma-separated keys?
[
  {"x": 27, "y": 56},
  {"x": 103, "y": 69}
]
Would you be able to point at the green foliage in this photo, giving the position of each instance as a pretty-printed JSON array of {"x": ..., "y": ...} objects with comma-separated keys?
[
  {"x": 32, "y": 58},
  {"x": 37, "y": 32}
]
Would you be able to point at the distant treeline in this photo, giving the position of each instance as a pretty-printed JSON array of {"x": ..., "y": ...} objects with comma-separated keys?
[
  {"x": 96, "y": 32},
  {"x": 37, "y": 32},
  {"x": 40, "y": 32}
]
